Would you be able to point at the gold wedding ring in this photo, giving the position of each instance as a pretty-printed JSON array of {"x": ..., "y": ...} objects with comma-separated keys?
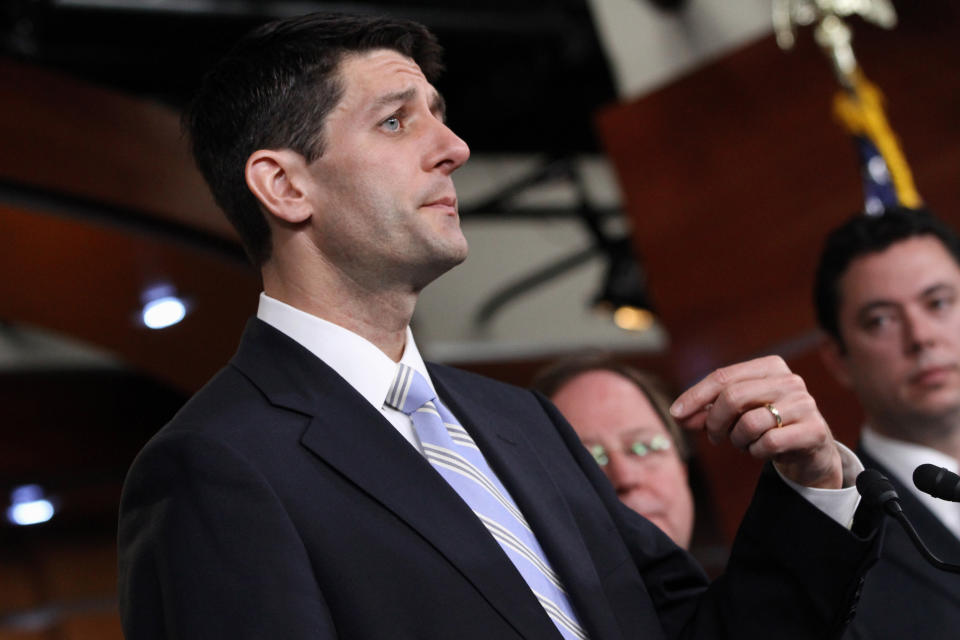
[{"x": 776, "y": 414}]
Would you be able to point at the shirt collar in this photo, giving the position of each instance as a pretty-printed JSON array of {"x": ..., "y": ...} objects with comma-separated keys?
[
  {"x": 901, "y": 458},
  {"x": 358, "y": 361}
]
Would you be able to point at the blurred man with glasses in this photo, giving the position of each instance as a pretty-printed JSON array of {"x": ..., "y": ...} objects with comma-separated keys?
[{"x": 622, "y": 417}]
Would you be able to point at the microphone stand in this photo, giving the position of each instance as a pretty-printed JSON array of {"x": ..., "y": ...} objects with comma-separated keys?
[
  {"x": 877, "y": 490},
  {"x": 898, "y": 515}
]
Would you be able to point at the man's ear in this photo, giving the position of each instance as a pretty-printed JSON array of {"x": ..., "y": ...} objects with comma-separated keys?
[
  {"x": 277, "y": 179},
  {"x": 834, "y": 358}
]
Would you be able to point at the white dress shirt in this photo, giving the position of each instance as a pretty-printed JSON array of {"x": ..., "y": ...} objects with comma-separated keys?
[
  {"x": 901, "y": 458},
  {"x": 358, "y": 361},
  {"x": 370, "y": 371},
  {"x": 839, "y": 504}
]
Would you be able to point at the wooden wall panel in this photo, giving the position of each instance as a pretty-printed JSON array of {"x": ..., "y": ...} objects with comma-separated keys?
[
  {"x": 25, "y": 634},
  {"x": 733, "y": 175},
  {"x": 67, "y": 136},
  {"x": 87, "y": 280},
  {"x": 19, "y": 586},
  {"x": 72, "y": 586},
  {"x": 90, "y": 626}
]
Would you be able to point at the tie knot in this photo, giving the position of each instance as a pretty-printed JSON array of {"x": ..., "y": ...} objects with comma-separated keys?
[{"x": 409, "y": 390}]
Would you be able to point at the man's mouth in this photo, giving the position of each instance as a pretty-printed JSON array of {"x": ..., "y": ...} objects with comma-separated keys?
[
  {"x": 448, "y": 203},
  {"x": 932, "y": 375}
]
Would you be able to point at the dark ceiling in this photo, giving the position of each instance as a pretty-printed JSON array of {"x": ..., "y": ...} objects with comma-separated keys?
[{"x": 522, "y": 76}]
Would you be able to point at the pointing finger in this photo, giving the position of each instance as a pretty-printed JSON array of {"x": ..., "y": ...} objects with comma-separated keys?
[{"x": 707, "y": 390}]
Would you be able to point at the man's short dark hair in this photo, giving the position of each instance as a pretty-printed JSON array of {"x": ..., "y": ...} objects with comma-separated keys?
[
  {"x": 862, "y": 235},
  {"x": 273, "y": 90},
  {"x": 551, "y": 378}
]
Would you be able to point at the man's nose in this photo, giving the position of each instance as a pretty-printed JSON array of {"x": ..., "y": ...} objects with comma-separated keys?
[
  {"x": 624, "y": 473},
  {"x": 921, "y": 330},
  {"x": 451, "y": 151}
]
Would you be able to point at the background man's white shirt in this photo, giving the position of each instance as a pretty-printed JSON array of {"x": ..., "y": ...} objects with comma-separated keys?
[{"x": 901, "y": 458}]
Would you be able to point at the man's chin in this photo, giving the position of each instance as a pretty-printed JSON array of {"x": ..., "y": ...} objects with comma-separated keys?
[
  {"x": 437, "y": 265},
  {"x": 455, "y": 253},
  {"x": 925, "y": 408},
  {"x": 451, "y": 255},
  {"x": 936, "y": 399}
]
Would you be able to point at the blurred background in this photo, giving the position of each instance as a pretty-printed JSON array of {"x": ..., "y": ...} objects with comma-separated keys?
[{"x": 660, "y": 157}]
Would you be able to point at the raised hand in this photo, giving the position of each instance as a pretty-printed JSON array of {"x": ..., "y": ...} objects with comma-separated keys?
[{"x": 763, "y": 408}]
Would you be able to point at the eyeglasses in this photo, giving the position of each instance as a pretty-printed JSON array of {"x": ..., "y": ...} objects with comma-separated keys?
[{"x": 639, "y": 448}]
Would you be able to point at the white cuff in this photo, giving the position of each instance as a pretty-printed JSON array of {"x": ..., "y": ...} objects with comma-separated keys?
[{"x": 839, "y": 504}]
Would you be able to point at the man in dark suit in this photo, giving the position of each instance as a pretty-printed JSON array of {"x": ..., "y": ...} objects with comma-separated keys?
[
  {"x": 328, "y": 483},
  {"x": 888, "y": 298}
]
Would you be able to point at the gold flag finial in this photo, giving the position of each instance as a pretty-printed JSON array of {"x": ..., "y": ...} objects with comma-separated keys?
[{"x": 831, "y": 33}]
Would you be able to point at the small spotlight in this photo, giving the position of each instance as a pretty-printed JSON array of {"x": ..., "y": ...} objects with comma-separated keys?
[
  {"x": 164, "y": 312},
  {"x": 633, "y": 318},
  {"x": 625, "y": 288},
  {"x": 28, "y": 506}
]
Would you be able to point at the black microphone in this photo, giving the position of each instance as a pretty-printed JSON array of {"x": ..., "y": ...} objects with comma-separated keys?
[
  {"x": 877, "y": 491},
  {"x": 938, "y": 482}
]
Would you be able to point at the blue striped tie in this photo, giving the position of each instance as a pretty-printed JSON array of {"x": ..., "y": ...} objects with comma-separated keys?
[{"x": 454, "y": 454}]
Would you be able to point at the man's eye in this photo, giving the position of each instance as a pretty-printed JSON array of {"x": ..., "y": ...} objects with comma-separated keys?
[
  {"x": 876, "y": 321},
  {"x": 391, "y": 124},
  {"x": 660, "y": 442},
  {"x": 639, "y": 448},
  {"x": 656, "y": 444},
  {"x": 599, "y": 454},
  {"x": 940, "y": 302}
]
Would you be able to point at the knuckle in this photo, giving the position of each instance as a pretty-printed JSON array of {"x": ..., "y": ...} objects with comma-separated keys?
[
  {"x": 732, "y": 398},
  {"x": 798, "y": 382},
  {"x": 808, "y": 405},
  {"x": 777, "y": 362},
  {"x": 816, "y": 439},
  {"x": 722, "y": 375},
  {"x": 772, "y": 439},
  {"x": 822, "y": 438},
  {"x": 753, "y": 422},
  {"x": 760, "y": 448}
]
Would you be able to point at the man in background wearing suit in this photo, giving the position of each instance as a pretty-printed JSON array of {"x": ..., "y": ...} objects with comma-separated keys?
[
  {"x": 329, "y": 484},
  {"x": 888, "y": 298}
]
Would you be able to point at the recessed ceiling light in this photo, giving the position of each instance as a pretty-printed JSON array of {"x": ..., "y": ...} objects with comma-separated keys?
[
  {"x": 29, "y": 506},
  {"x": 163, "y": 312}
]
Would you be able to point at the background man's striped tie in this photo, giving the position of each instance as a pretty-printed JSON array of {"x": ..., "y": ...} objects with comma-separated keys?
[{"x": 453, "y": 453}]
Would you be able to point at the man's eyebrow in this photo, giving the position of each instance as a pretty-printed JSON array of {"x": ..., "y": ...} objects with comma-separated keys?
[
  {"x": 937, "y": 287},
  {"x": 393, "y": 98},
  {"x": 873, "y": 305},
  {"x": 439, "y": 107},
  {"x": 642, "y": 431}
]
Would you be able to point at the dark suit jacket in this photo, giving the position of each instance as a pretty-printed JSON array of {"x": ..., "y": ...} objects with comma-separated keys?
[
  {"x": 906, "y": 597},
  {"x": 279, "y": 504}
]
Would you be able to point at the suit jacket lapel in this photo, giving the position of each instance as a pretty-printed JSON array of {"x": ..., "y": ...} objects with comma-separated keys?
[
  {"x": 351, "y": 436},
  {"x": 513, "y": 457}
]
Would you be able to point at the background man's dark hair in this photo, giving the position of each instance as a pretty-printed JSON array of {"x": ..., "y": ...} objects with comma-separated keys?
[
  {"x": 273, "y": 90},
  {"x": 550, "y": 379},
  {"x": 862, "y": 235}
]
